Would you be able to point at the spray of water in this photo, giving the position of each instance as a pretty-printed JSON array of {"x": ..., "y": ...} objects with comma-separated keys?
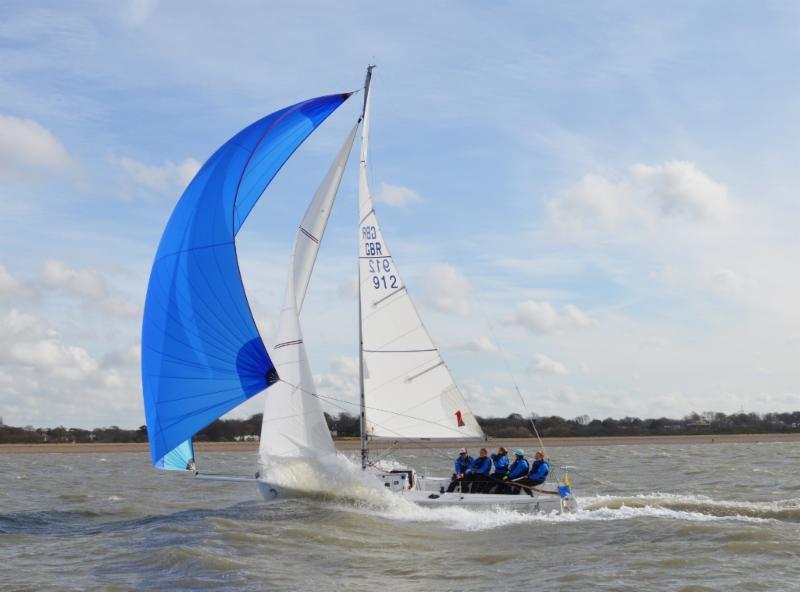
[{"x": 332, "y": 477}]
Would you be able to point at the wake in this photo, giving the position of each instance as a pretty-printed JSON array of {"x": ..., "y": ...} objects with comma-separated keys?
[
  {"x": 601, "y": 508},
  {"x": 343, "y": 486}
]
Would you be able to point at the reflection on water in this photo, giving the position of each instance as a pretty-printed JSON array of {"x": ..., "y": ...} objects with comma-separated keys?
[{"x": 680, "y": 517}]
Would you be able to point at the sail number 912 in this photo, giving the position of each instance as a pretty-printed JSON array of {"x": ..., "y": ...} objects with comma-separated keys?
[
  {"x": 380, "y": 267},
  {"x": 382, "y": 281}
]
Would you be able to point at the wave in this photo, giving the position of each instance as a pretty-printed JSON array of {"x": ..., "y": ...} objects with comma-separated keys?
[
  {"x": 787, "y": 510},
  {"x": 593, "y": 509}
]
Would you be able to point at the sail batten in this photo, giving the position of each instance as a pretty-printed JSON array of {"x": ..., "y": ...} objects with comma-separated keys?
[
  {"x": 402, "y": 369},
  {"x": 202, "y": 354}
]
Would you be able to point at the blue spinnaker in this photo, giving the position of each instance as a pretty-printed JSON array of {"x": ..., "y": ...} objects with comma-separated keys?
[
  {"x": 202, "y": 354},
  {"x": 180, "y": 458}
]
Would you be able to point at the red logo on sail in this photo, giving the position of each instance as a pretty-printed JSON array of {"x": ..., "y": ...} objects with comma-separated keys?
[{"x": 460, "y": 419}]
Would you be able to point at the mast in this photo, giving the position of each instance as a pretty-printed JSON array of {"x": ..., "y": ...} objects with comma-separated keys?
[{"x": 363, "y": 166}]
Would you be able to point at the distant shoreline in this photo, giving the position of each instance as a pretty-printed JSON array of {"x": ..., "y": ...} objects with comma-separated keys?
[{"x": 353, "y": 444}]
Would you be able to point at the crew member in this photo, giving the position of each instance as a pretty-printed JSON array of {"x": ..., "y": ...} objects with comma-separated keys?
[
  {"x": 478, "y": 474},
  {"x": 500, "y": 461},
  {"x": 460, "y": 467},
  {"x": 516, "y": 471},
  {"x": 538, "y": 473},
  {"x": 539, "y": 469}
]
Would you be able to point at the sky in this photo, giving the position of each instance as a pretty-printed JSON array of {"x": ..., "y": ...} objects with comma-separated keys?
[{"x": 597, "y": 203}]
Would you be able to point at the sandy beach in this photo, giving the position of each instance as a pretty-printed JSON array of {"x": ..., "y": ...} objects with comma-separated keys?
[{"x": 352, "y": 444}]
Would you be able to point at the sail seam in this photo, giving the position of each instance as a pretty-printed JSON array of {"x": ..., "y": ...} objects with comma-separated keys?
[
  {"x": 285, "y": 343},
  {"x": 189, "y": 250},
  {"x": 309, "y": 235}
]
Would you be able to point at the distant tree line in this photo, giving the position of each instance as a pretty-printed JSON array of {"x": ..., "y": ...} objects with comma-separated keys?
[{"x": 513, "y": 426}]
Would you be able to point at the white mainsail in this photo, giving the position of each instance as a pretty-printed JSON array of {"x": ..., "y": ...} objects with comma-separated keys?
[
  {"x": 408, "y": 390},
  {"x": 293, "y": 422}
]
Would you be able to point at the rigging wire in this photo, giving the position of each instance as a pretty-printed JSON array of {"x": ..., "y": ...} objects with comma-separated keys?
[
  {"x": 335, "y": 402},
  {"x": 516, "y": 386}
]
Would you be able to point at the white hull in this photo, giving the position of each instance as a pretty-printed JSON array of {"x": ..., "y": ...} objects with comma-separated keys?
[
  {"x": 427, "y": 492},
  {"x": 524, "y": 502}
]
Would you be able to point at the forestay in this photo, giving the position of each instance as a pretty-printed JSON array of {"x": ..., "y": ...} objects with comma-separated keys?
[
  {"x": 293, "y": 419},
  {"x": 408, "y": 390},
  {"x": 202, "y": 354}
]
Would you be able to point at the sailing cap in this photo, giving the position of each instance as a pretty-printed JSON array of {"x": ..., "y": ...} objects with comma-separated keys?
[
  {"x": 462, "y": 451},
  {"x": 519, "y": 452}
]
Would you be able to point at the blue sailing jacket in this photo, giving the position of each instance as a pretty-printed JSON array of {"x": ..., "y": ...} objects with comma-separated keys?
[
  {"x": 519, "y": 468},
  {"x": 462, "y": 464},
  {"x": 500, "y": 465},
  {"x": 539, "y": 470},
  {"x": 481, "y": 466}
]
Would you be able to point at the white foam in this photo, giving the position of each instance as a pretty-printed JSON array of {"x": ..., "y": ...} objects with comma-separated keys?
[
  {"x": 596, "y": 511},
  {"x": 329, "y": 477},
  {"x": 696, "y": 501}
]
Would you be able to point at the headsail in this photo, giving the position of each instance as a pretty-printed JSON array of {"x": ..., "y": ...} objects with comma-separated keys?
[
  {"x": 202, "y": 354},
  {"x": 293, "y": 418},
  {"x": 408, "y": 390}
]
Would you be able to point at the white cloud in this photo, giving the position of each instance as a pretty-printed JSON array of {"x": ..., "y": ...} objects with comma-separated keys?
[
  {"x": 397, "y": 196},
  {"x": 47, "y": 381},
  {"x": 27, "y": 149},
  {"x": 447, "y": 290},
  {"x": 679, "y": 188},
  {"x": 138, "y": 178},
  {"x": 478, "y": 345},
  {"x": 129, "y": 356},
  {"x": 577, "y": 318},
  {"x": 340, "y": 382},
  {"x": 8, "y": 283},
  {"x": 14, "y": 290},
  {"x": 546, "y": 365},
  {"x": 493, "y": 401},
  {"x": 88, "y": 285},
  {"x": 542, "y": 317},
  {"x": 647, "y": 195},
  {"x": 731, "y": 282}
]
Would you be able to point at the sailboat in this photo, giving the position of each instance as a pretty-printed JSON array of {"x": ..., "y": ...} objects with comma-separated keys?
[
  {"x": 407, "y": 390},
  {"x": 202, "y": 354}
]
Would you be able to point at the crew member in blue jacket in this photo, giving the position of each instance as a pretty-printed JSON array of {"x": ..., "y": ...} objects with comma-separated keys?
[
  {"x": 538, "y": 473},
  {"x": 500, "y": 461},
  {"x": 516, "y": 471},
  {"x": 460, "y": 467},
  {"x": 478, "y": 475}
]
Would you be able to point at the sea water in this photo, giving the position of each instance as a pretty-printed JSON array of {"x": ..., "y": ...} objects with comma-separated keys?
[{"x": 653, "y": 517}]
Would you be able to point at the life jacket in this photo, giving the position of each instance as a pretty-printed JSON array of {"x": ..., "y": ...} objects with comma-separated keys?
[
  {"x": 462, "y": 464},
  {"x": 481, "y": 465},
  {"x": 519, "y": 468},
  {"x": 539, "y": 470},
  {"x": 500, "y": 465}
]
